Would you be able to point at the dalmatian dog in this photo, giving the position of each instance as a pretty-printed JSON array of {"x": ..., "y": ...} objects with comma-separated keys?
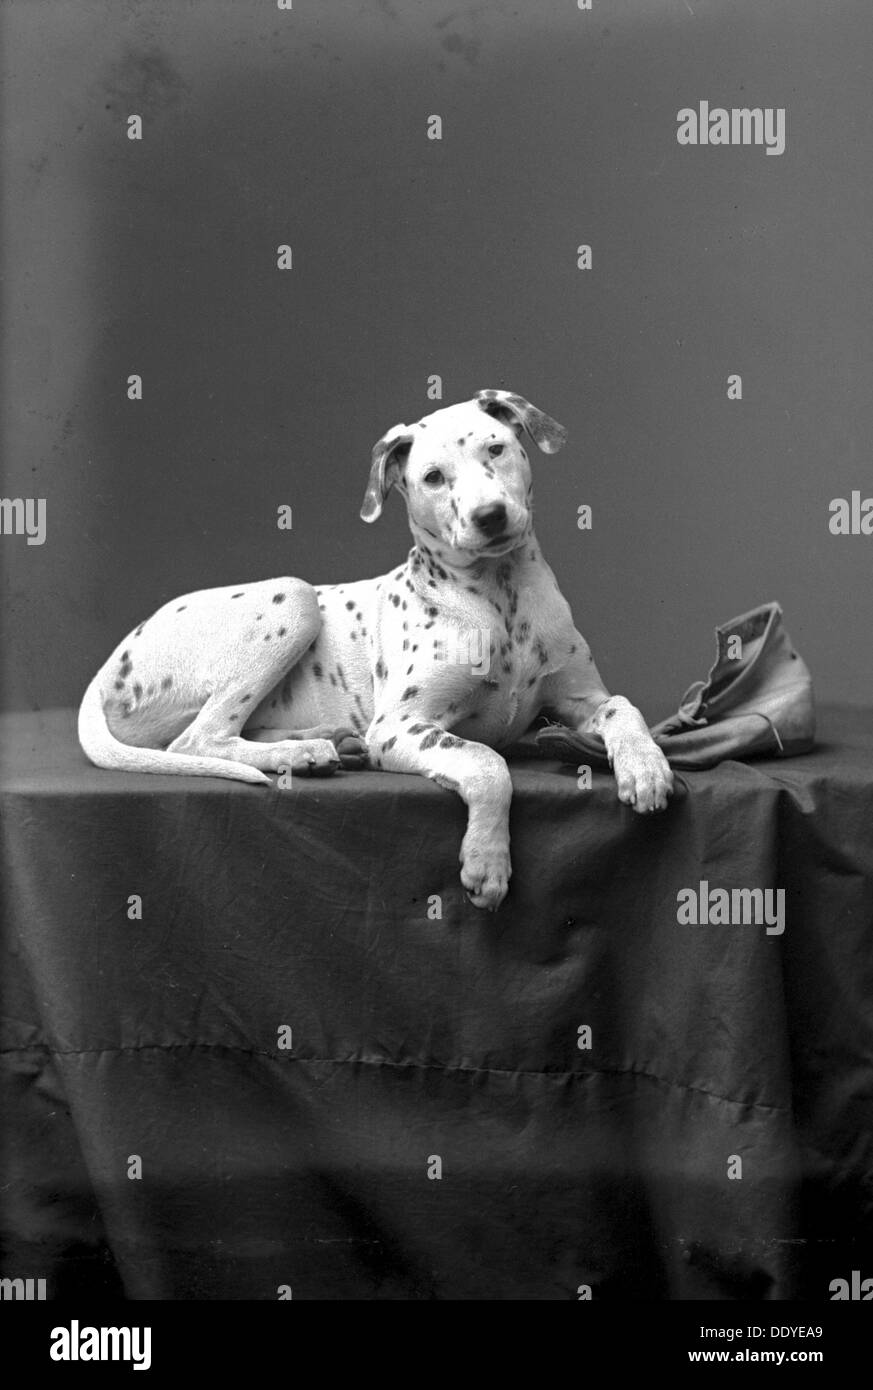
[{"x": 431, "y": 668}]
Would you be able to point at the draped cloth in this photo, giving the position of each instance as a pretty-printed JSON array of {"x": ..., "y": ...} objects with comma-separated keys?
[{"x": 258, "y": 1040}]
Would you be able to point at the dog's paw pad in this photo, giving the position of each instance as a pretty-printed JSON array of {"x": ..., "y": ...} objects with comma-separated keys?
[{"x": 351, "y": 747}]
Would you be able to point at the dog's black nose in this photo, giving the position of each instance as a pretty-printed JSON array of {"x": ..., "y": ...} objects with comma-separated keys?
[{"x": 491, "y": 519}]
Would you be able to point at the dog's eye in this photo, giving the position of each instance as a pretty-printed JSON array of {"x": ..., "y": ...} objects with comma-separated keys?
[
  {"x": 495, "y": 450},
  {"x": 433, "y": 477}
]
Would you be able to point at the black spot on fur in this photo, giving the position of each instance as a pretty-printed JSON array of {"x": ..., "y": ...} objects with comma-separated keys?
[
  {"x": 450, "y": 742},
  {"x": 139, "y": 629},
  {"x": 317, "y": 670},
  {"x": 389, "y": 743},
  {"x": 380, "y": 669},
  {"x": 410, "y": 692},
  {"x": 342, "y": 678},
  {"x": 278, "y": 598},
  {"x": 166, "y": 682},
  {"x": 282, "y": 631},
  {"x": 267, "y": 636},
  {"x": 332, "y": 678},
  {"x": 244, "y": 698},
  {"x": 119, "y": 685},
  {"x": 417, "y": 728},
  {"x": 137, "y": 691},
  {"x": 395, "y": 599},
  {"x": 430, "y": 739},
  {"x": 239, "y": 595},
  {"x": 182, "y": 608},
  {"x": 233, "y": 718},
  {"x": 350, "y": 603},
  {"x": 610, "y": 713}
]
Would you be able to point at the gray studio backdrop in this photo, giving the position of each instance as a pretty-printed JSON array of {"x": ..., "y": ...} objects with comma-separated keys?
[{"x": 411, "y": 257}]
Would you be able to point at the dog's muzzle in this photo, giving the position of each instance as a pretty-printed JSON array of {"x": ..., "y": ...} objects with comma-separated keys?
[{"x": 490, "y": 520}]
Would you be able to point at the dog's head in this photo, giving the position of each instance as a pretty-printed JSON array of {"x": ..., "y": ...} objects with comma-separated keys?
[{"x": 464, "y": 473}]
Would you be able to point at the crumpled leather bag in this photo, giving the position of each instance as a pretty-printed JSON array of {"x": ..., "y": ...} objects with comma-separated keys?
[{"x": 755, "y": 703}]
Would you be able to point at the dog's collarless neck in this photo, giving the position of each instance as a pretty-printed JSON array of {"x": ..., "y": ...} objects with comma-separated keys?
[{"x": 428, "y": 568}]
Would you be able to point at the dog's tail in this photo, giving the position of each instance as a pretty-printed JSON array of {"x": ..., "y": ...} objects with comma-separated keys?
[{"x": 105, "y": 750}]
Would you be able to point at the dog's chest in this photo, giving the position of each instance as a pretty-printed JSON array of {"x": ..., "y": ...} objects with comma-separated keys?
[{"x": 519, "y": 632}]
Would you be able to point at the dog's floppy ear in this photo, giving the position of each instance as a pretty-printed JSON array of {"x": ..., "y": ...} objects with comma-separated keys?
[
  {"x": 545, "y": 432},
  {"x": 388, "y": 453}
]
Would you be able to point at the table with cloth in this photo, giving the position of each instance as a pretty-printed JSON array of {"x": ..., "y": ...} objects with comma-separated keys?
[{"x": 307, "y": 1064}]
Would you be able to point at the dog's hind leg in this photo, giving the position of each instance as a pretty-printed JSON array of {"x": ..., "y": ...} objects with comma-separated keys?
[{"x": 247, "y": 658}]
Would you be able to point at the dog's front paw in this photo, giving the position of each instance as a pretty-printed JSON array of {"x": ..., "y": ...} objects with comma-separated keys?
[
  {"x": 485, "y": 872},
  {"x": 643, "y": 775}
]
